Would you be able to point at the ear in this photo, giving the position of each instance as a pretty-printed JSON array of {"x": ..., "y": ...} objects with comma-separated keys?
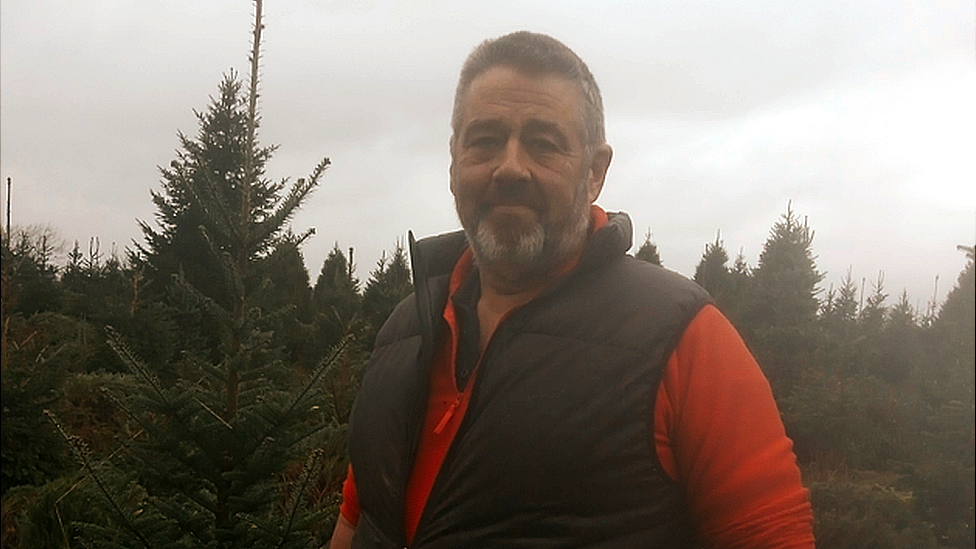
[
  {"x": 597, "y": 171},
  {"x": 450, "y": 170}
]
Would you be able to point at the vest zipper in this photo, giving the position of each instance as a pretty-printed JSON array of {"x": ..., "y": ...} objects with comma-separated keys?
[{"x": 448, "y": 414}]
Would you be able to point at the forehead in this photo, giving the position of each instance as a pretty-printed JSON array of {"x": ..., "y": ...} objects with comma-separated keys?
[{"x": 504, "y": 92}]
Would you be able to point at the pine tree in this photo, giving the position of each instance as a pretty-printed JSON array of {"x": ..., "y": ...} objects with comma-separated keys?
[
  {"x": 287, "y": 290},
  {"x": 787, "y": 275},
  {"x": 648, "y": 251},
  {"x": 29, "y": 271},
  {"x": 873, "y": 314},
  {"x": 225, "y": 454},
  {"x": 785, "y": 305},
  {"x": 954, "y": 332},
  {"x": 711, "y": 272},
  {"x": 958, "y": 310},
  {"x": 336, "y": 299},
  {"x": 902, "y": 314},
  {"x": 841, "y": 307},
  {"x": 388, "y": 284},
  {"x": 898, "y": 345},
  {"x": 202, "y": 185},
  {"x": 945, "y": 482}
]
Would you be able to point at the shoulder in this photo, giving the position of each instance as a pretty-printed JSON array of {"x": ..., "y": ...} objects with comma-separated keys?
[
  {"x": 628, "y": 284},
  {"x": 402, "y": 323},
  {"x": 622, "y": 303},
  {"x": 658, "y": 279}
]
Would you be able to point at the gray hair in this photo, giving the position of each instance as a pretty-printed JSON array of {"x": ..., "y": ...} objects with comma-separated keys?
[{"x": 534, "y": 54}]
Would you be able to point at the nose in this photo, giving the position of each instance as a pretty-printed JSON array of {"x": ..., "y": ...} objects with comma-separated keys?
[{"x": 513, "y": 166}]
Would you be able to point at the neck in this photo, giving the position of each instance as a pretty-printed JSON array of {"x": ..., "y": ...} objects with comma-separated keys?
[
  {"x": 505, "y": 289},
  {"x": 513, "y": 293},
  {"x": 508, "y": 288}
]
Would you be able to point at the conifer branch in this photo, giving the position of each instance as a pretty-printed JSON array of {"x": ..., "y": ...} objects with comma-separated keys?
[
  {"x": 289, "y": 205},
  {"x": 323, "y": 365},
  {"x": 214, "y": 414},
  {"x": 83, "y": 454},
  {"x": 133, "y": 362},
  {"x": 208, "y": 304},
  {"x": 305, "y": 480}
]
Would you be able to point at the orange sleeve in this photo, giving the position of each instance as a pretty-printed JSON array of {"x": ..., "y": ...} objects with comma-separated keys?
[
  {"x": 718, "y": 432},
  {"x": 350, "y": 501}
]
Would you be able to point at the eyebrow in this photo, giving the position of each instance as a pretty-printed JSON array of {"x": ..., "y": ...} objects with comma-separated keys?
[
  {"x": 532, "y": 126},
  {"x": 486, "y": 124}
]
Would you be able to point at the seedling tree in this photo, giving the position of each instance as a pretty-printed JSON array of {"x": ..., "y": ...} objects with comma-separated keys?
[{"x": 212, "y": 433}]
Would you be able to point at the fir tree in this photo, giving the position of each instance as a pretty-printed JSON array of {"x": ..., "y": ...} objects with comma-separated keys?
[
  {"x": 711, "y": 272},
  {"x": 736, "y": 297},
  {"x": 287, "y": 290},
  {"x": 336, "y": 299},
  {"x": 873, "y": 314},
  {"x": 648, "y": 251},
  {"x": 787, "y": 275},
  {"x": 204, "y": 458},
  {"x": 958, "y": 311},
  {"x": 202, "y": 188},
  {"x": 945, "y": 481},
  {"x": 785, "y": 303},
  {"x": 388, "y": 284}
]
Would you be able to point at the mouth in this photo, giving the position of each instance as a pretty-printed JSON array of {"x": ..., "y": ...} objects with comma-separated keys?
[
  {"x": 513, "y": 206},
  {"x": 511, "y": 212},
  {"x": 513, "y": 197},
  {"x": 513, "y": 203}
]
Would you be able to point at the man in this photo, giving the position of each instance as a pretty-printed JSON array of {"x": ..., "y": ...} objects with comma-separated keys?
[{"x": 541, "y": 388}]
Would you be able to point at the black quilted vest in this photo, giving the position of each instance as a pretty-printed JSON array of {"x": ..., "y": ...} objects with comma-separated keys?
[{"x": 556, "y": 448}]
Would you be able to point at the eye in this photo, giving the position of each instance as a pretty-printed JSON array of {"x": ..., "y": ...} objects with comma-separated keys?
[{"x": 543, "y": 145}]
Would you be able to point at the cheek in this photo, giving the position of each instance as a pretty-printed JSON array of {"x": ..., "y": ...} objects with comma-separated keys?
[
  {"x": 469, "y": 179},
  {"x": 466, "y": 190}
]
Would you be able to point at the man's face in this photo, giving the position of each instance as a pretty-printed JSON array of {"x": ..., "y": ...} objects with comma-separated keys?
[{"x": 521, "y": 177}]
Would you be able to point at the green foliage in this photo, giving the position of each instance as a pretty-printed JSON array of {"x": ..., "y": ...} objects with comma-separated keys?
[
  {"x": 209, "y": 432},
  {"x": 51, "y": 515},
  {"x": 955, "y": 329},
  {"x": 208, "y": 418},
  {"x": 648, "y": 251},
  {"x": 29, "y": 271},
  {"x": 336, "y": 300},
  {"x": 711, "y": 272},
  {"x": 944, "y": 498},
  {"x": 388, "y": 284},
  {"x": 878, "y": 399},
  {"x": 867, "y": 512},
  {"x": 872, "y": 316},
  {"x": 288, "y": 297},
  {"x": 203, "y": 476},
  {"x": 202, "y": 200},
  {"x": 857, "y": 422},
  {"x": 783, "y": 303},
  {"x": 787, "y": 275},
  {"x": 31, "y": 452}
]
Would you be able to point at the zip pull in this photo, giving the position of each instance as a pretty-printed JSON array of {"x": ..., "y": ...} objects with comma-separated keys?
[{"x": 448, "y": 415}]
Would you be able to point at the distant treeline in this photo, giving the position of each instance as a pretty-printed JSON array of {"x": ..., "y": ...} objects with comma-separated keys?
[{"x": 878, "y": 397}]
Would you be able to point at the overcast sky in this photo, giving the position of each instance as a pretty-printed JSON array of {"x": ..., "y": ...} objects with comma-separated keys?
[{"x": 720, "y": 113}]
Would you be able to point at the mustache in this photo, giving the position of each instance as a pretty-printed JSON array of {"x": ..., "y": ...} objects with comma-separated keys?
[{"x": 514, "y": 194}]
